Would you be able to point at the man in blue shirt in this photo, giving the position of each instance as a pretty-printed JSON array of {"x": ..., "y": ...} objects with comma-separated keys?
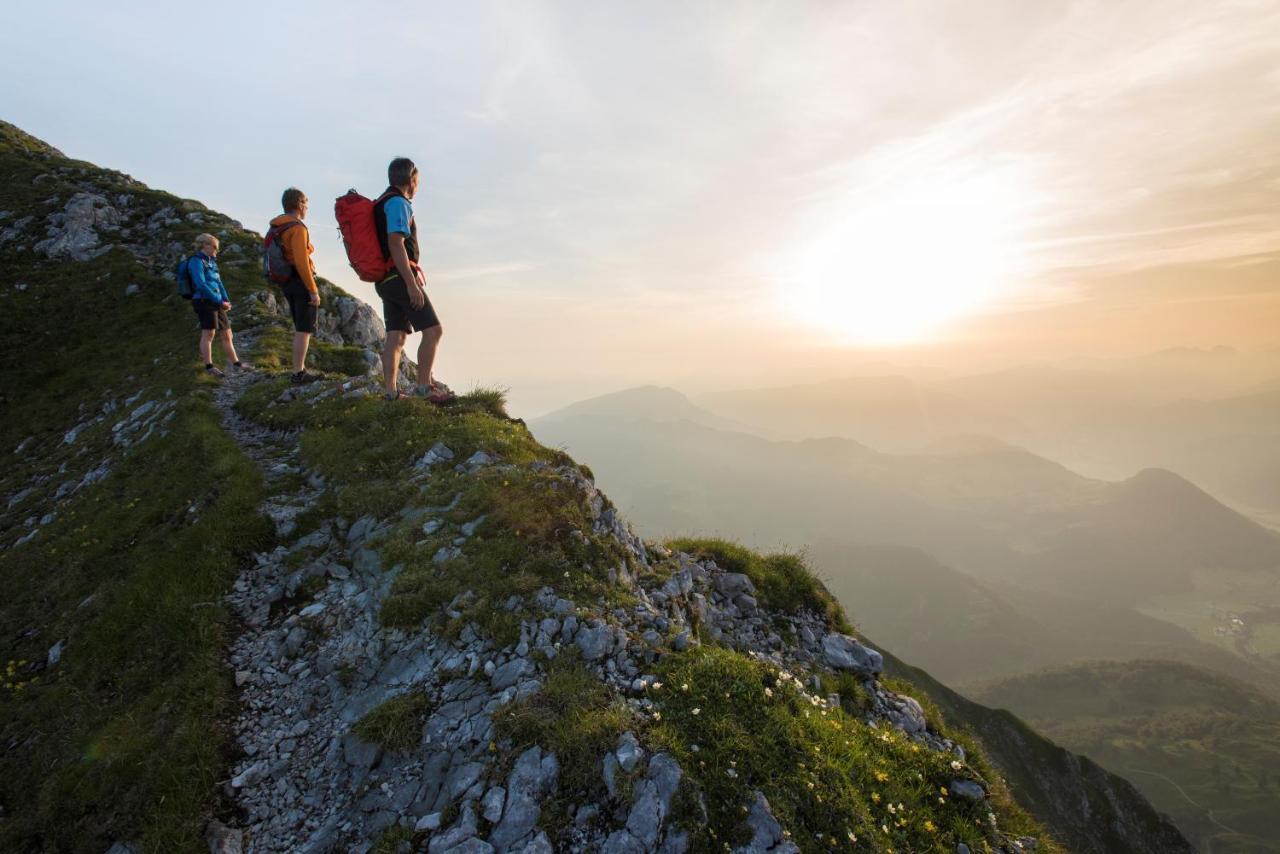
[
  {"x": 405, "y": 307},
  {"x": 211, "y": 302}
]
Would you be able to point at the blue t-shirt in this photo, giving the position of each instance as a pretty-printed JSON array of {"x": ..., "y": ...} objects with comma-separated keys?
[{"x": 399, "y": 212}]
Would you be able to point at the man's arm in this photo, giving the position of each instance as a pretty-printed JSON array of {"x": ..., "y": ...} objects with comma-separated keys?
[
  {"x": 395, "y": 242},
  {"x": 297, "y": 241}
]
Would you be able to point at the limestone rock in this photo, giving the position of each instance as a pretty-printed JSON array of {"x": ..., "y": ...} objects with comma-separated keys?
[
  {"x": 844, "y": 653},
  {"x": 73, "y": 233},
  {"x": 969, "y": 790}
]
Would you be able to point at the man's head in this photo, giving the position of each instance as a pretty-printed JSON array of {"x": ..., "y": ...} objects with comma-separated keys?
[
  {"x": 403, "y": 175},
  {"x": 208, "y": 244},
  {"x": 294, "y": 201}
]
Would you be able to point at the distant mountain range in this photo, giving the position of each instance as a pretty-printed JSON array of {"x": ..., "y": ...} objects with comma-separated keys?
[
  {"x": 982, "y": 561},
  {"x": 1202, "y": 747},
  {"x": 990, "y": 509},
  {"x": 1106, "y": 422},
  {"x": 1064, "y": 558}
]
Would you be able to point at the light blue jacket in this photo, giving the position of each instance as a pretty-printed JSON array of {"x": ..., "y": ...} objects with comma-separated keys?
[{"x": 206, "y": 281}]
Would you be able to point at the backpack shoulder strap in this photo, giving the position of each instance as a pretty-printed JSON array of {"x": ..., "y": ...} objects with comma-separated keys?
[{"x": 280, "y": 229}]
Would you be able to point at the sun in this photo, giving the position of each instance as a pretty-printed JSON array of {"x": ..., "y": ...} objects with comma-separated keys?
[{"x": 901, "y": 263}]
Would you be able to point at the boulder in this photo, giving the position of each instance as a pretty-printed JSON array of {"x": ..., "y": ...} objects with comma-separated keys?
[
  {"x": 595, "y": 643},
  {"x": 730, "y": 584},
  {"x": 844, "y": 653},
  {"x": 73, "y": 233},
  {"x": 968, "y": 790}
]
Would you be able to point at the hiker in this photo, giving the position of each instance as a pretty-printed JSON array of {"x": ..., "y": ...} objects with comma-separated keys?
[
  {"x": 300, "y": 290},
  {"x": 211, "y": 302},
  {"x": 405, "y": 307}
]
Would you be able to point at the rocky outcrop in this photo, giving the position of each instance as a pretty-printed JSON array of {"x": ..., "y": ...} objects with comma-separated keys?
[
  {"x": 73, "y": 233},
  {"x": 347, "y": 320},
  {"x": 312, "y": 667}
]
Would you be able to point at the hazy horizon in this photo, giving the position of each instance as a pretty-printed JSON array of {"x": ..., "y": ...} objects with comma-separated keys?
[{"x": 712, "y": 197}]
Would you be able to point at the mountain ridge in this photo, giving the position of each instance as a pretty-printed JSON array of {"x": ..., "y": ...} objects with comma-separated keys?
[{"x": 444, "y": 636}]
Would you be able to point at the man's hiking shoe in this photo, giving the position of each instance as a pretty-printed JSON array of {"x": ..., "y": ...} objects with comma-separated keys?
[
  {"x": 243, "y": 368},
  {"x": 395, "y": 395},
  {"x": 303, "y": 377},
  {"x": 439, "y": 388},
  {"x": 434, "y": 394},
  {"x": 214, "y": 371}
]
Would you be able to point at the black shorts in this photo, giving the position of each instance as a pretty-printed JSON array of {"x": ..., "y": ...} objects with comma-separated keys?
[
  {"x": 300, "y": 307},
  {"x": 212, "y": 315},
  {"x": 397, "y": 313}
]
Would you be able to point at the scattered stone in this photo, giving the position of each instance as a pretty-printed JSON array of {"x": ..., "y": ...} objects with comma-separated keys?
[
  {"x": 223, "y": 839},
  {"x": 533, "y": 777},
  {"x": 479, "y": 458},
  {"x": 966, "y": 789},
  {"x": 844, "y": 653},
  {"x": 766, "y": 833},
  {"x": 595, "y": 643},
  {"x": 629, "y": 751},
  {"x": 493, "y": 802},
  {"x": 730, "y": 584}
]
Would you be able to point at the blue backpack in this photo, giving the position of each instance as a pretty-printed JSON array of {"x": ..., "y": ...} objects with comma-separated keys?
[{"x": 182, "y": 274}]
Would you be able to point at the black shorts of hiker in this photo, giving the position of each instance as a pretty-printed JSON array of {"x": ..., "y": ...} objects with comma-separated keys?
[
  {"x": 211, "y": 304},
  {"x": 405, "y": 307},
  {"x": 286, "y": 262}
]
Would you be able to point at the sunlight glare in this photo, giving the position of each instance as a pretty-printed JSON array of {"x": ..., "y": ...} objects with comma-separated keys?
[{"x": 897, "y": 268}]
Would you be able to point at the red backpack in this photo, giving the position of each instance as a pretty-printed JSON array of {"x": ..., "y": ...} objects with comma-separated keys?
[{"x": 360, "y": 237}]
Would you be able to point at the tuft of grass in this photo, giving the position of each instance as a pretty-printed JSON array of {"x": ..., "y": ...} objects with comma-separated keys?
[
  {"x": 487, "y": 399},
  {"x": 575, "y": 716},
  {"x": 397, "y": 723},
  {"x": 784, "y": 582},
  {"x": 392, "y": 840},
  {"x": 526, "y": 541},
  {"x": 737, "y": 725}
]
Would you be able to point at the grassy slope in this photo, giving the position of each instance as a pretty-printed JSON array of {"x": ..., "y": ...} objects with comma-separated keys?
[
  {"x": 1057, "y": 786},
  {"x": 120, "y": 740},
  {"x": 1155, "y": 721}
]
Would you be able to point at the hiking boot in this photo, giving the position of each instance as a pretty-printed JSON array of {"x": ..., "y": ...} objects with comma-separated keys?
[
  {"x": 435, "y": 393},
  {"x": 303, "y": 377},
  {"x": 214, "y": 371},
  {"x": 243, "y": 368}
]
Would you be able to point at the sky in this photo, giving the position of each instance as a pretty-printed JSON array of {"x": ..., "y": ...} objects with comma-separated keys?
[{"x": 721, "y": 194}]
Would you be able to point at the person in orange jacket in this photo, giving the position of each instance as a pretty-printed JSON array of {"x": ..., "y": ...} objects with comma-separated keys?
[{"x": 301, "y": 290}]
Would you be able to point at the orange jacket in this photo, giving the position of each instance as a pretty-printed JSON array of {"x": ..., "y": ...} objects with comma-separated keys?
[{"x": 296, "y": 243}]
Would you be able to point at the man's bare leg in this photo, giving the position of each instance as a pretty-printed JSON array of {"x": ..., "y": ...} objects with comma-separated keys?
[
  {"x": 228, "y": 349},
  {"x": 206, "y": 346},
  {"x": 301, "y": 341},
  {"x": 427, "y": 353},
  {"x": 391, "y": 359}
]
